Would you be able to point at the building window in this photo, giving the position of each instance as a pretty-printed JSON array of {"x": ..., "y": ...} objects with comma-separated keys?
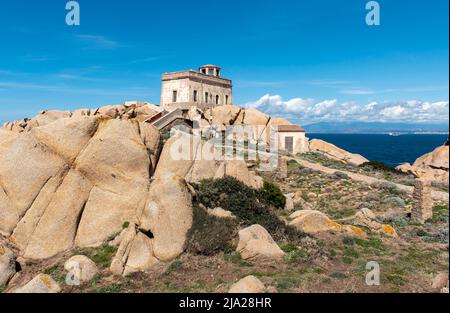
[
  {"x": 174, "y": 96},
  {"x": 206, "y": 97},
  {"x": 211, "y": 71},
  {"x": 226, "y": 99},
  {"x": 217, "y": 99},
  {"x": 195, "y": 95}
]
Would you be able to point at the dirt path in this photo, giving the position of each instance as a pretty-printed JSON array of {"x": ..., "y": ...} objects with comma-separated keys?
[{"x": 437, "y": 195}]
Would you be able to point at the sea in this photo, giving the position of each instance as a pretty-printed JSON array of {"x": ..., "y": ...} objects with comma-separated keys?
[{"x": 390, "y": 149}]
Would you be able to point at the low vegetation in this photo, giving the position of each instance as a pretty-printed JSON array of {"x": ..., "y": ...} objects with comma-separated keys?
[{"x": 210, "y": 234}]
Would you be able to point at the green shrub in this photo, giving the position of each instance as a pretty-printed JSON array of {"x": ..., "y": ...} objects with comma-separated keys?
[
  {"x": 377, "y": 165},
  {"x": 274, "y": 195},
  {"x": 338, "y": 275},
  {"x": 250, "y": 206},
  {"x": 209, "y": 234}
]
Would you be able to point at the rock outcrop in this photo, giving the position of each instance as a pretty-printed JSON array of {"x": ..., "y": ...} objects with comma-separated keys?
[
  {"x": 73, "y": 182},
  {"x": 256, "y": 244},
  {"x": 81, "y": 267},
  {"x": 7, "y": 265},
  {"x": 333, "y": 152},
  {"x": 433, "y": 166},
  {"x": 313, "y": 222},
  {"x": 133, "y": 110},
  {"x": 367, "y": 218},
  {"x": 249, "y": 284},
  {"x": 40, "y": 284}
]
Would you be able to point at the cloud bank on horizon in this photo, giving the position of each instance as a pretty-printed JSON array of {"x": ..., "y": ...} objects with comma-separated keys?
[{"x": 307, "y": 111}]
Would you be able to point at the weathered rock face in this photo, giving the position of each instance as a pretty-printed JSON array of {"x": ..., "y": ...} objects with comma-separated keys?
[
  {"x": 83, "y": 268},
  {"x": 336, "y": 153},
  {"x": 238, "y": 169},
  {"x": 255, "y": 243},
  {"x": 366, "y": 217},
  {"x": 223, "y": 115},
  {"x": 135, "y": 253},
  {"x": 433, "y": 166},
  {"x": 7, "y": 265},
  {"x": 249, "y": 284},
  {"x": 168, "y": 218},
  {"x": 252, "y": 116},
  {"x": 73, "y": 182},
  {"x": 312, "y": 222},
  {"x": 135, "y": 110},
  {"x": 40, "y": 284},
  {"x": 221, "y": 213}
]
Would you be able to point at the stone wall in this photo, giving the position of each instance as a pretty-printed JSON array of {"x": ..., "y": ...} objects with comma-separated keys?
[{"x": 185, "y": 86}]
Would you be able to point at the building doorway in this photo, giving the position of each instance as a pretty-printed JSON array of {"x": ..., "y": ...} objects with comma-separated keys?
[{"x": 289, "y": 144}]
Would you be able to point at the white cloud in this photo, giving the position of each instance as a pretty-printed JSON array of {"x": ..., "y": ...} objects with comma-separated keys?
[
  {"x": 308, "y": 111},
  {"x": 99, "y": 42}
]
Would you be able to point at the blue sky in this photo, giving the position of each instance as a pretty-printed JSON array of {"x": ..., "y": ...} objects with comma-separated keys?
[{"x": 305, "y": 60}]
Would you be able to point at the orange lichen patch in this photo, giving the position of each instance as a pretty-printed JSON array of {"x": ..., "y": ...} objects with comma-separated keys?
[
  {"x": 46, "y": 280},
  {"x": 356, "y": 231},
  {"x": 2, "y": 250},
  {"x": 389, "y": 230},
  {"x": 334, "y": 226}
]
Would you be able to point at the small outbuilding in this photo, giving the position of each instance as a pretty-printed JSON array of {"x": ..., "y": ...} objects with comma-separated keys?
[{"x": 292, "y": 139}]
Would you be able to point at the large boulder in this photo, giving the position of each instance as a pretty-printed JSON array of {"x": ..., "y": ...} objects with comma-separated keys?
[
  {"x": 74, "y": 182},
  {"x": 438, "y": 159},
  {"x": 249, "y": 284},
  {"x": 168, "y": 218},
  {"x": 311, "y": 222},
  {"x": 223, "y": 115},
  {"x": 141, "y": 256},
  {"x": 254, "y": 118},
  {"x": 239, "y": 170},
  {"x": 7, "y": 265},
  {"x": 40, "y": 284},
  {"x": 47, "y": 117},
  {"x": 83, "y": 268},
  {"x": 256, "y": 244},
  {"x": 135, "y": 253},
  {"x": 336, "y": 153},
  {"x": 365, "y": 217},
  {"x": 433, "y": 166},
  {"x": 66, "y": 137}
]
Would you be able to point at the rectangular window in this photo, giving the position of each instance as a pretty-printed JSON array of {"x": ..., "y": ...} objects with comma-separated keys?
[
  {"x": 206, "y": 97},
  {"x": 174, "y": 96},
  {"x": 195, "y": 95},
  {"x": 226, "y": 99},
  {"x": 217, "y": 99}
]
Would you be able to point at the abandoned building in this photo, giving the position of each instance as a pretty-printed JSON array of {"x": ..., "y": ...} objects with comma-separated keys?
[
  {"x": 292, "y": 139},
  {"x": 194, "y": 92},
  {"x": 204, "y": 89}
]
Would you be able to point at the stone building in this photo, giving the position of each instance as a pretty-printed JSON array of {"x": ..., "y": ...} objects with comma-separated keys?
[
  {"x": 204, "y": 89},
  {"x": 292, "y": 139}
]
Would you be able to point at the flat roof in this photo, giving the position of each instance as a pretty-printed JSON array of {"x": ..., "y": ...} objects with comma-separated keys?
[
  {"x": 290, "y": 129},
  {"x": 191, "y": 74}
]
